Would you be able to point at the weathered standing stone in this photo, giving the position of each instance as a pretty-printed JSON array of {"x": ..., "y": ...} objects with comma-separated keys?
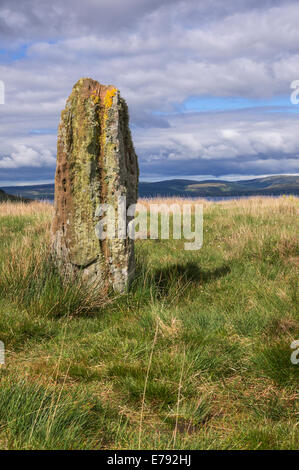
[{"x": 96, "y": 163}]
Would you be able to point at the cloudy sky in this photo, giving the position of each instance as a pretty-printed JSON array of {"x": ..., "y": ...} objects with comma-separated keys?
[{"x": 207, "y": 82}]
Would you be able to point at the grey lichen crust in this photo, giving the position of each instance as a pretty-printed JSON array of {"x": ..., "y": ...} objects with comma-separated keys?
[{"x": 96, "y": 163}]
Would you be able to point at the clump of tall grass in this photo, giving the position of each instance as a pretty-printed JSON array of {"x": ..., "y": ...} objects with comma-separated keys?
[
  {"x": 29, "y": 278},
  {"x": 34, "y": 416}
]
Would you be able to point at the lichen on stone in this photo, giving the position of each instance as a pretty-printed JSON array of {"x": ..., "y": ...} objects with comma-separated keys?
[{"x": 96, "y": 163}]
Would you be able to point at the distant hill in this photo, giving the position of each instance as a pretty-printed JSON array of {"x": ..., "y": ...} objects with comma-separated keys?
[
  {"x": 8, "y": 197},
  {"x": 40, "y": 191},
  {"x": 269, "y": 186}
]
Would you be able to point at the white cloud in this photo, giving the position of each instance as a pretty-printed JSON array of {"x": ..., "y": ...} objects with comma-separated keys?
[
  {"x": 27, "y": 156},
  {"x": 158, "y": 53},
  {"x": 223, "y": 139}
]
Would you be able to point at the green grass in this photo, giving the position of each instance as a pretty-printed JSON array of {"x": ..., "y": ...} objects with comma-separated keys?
[{"x": 208, "y": 332}]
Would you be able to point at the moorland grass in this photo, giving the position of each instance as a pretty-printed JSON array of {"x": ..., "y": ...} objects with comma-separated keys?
[{"x": 196, "y": 355}]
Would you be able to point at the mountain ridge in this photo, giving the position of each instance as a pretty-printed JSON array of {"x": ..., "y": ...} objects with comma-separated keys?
[
  {"x": 9, "y": 197},
  {"x": 265, "y": 186}
]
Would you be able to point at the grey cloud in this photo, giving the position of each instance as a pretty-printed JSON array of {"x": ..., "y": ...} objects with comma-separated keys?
[
  {"x": 43, "y": 20},
  {"x": 26, "y": 175},
  {"x": 158, "y": 53},
  {"x": 219, "y": 169},
  {"x": 220, "y": 145}
]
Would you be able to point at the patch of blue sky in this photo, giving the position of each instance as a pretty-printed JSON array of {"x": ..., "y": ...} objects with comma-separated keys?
[
  {"x": 13, "y": 54},
  {"x": 8, "y": 55},
  {"x": 213, "y": 103},
  {"x": 42, "y": 131},
  {"x": 205, "y": 104}
]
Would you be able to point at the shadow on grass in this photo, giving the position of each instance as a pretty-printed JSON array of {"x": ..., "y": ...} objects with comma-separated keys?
[
  {"x": 172, "y": 281},
  {"x": 190, "y": 272}
]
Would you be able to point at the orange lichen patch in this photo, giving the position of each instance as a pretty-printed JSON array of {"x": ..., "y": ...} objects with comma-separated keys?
[
  {"x": 103, "y": 94},
  {"x": 88, "y": 88},
  {"x": 108, "y": 100}
]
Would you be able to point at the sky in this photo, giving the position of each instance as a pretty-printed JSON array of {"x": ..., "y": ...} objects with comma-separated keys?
[{"x": 208, "y": 83}]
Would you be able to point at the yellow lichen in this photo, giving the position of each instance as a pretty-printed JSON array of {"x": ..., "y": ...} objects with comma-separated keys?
[
  {"x": 108, "y": 100},
  {"x": 95, "y": 99},
  {"x": 109, "y": 97}
]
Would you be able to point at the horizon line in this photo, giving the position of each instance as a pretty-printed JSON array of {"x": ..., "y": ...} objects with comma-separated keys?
[{"x": 191, "y": 178}]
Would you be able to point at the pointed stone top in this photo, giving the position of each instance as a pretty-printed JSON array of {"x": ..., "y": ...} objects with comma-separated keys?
[{"x": 89, "y": 88}]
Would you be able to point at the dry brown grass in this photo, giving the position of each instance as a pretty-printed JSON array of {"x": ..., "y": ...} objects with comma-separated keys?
[
  {"x": 169, "y": 201},
  {"x": 264, "y": 205},
  {"x": 252, "y": 205},
  {"x": 23, "y": 209}
]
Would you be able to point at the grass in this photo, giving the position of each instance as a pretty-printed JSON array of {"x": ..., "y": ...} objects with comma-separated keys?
[{"x": 196, "y": 355}]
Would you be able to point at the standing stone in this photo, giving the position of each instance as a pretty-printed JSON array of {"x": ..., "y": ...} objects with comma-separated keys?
[{"x": 96, "y": 163}]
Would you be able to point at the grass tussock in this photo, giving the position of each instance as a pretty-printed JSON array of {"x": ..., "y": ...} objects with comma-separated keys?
[
  {"x": 29, "y": 277},
  {"x": 196, "y": 355}
]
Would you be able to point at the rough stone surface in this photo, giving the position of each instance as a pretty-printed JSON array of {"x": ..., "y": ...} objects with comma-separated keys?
[{"x": 96, "y": 163}]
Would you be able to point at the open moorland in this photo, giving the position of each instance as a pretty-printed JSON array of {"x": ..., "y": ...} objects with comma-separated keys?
[{"x": 196, "y": 355}]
